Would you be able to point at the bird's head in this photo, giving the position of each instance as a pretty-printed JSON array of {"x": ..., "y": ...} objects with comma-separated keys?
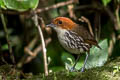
[{"x": 62, "y": 23}]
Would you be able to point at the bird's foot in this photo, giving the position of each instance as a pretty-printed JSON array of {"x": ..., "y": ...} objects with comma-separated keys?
[
  {"x": 72, "y": 69},
  {"x": 82, "y": 69}
]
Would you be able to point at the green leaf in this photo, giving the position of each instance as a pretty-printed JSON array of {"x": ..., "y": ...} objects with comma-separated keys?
[
  {"x": 21, "y": 5},
  {"x": 5, "y": 47},
  {"x": 56, "y": 68},
  {"x": 80, "y": 63},
  {"x": 98, "y": 56},
  {"x": 105, "y": 2},
  {"x": 68, "y": 60},
  {"x": 2, "y": 5}
]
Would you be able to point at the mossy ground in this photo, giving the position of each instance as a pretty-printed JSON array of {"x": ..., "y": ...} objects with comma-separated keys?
[{"x": 107, "y": 72}]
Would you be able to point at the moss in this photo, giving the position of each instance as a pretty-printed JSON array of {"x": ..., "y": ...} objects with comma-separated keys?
[{"x": 99, "y": 73}]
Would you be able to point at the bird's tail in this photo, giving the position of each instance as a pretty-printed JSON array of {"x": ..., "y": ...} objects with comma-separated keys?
[{"x": 93, "y": 42}]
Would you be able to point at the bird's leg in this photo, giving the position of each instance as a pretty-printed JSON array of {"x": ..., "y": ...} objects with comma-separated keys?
[
  {"x": 82, "y": 70},
  {"x": 72, "y": 69}
]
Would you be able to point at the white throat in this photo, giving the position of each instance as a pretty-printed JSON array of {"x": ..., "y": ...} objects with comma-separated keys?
[{"x": 60, "y": 32}]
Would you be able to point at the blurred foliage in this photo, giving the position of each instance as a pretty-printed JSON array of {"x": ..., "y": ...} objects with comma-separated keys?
[
  {"x": 98, "y": 57},
  {"x": 2, "y": 4},
  {"x": 19, "y": 5},
  {"x": 22, "y": 31},
  {"x": 105, "y": 2}
]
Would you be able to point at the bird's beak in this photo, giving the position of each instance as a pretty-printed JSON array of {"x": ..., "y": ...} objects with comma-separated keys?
[{"x": 51, "y": 25}]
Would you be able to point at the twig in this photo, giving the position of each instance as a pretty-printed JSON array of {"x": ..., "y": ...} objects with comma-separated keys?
[
  {"x": 71, "y": 12},
  {"x": 12, "y": 12},
  {"x": 34, "y": 53},
  {"x": 55, "y": 6},
  {"x": 88, "y": 7},
  {"x": 42, "y": 23},
  {"x": 32, "y": 43},
  {"x": 118, "y": 37},
  {"x": 7, "y": 38},
  {"x": 105, "y": 9},
  {"x": 83, "y": 19},
  {"x": 97, "y": 25},
  {"x": 38, "y": 49},
  {"x": 28, "y": 51},
  {"x": 112, "y": 17},
  {"x": 35, "y": 18},
  {"x": 117, "y": 16},
  {"x": 1, "y": 55},
  {"x": 111, "y": 44}
]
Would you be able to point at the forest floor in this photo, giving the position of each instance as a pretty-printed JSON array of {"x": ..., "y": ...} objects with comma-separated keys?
[{"x": 110, "y": 71}]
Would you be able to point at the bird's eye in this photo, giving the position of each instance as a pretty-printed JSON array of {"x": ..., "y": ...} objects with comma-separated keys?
[{"x": 59, "y": 22}]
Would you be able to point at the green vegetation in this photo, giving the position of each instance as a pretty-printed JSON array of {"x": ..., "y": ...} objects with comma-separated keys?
[{"x": 21, "y": 47}]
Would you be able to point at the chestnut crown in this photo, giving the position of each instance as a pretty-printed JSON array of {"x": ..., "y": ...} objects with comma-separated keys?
[{"x": 64, "y": 23}]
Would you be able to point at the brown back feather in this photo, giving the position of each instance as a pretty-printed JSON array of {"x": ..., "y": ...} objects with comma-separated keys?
[{"x": 85, "y": 34}]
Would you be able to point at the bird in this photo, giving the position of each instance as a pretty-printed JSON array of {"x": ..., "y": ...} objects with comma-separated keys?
[{"x": 75, "y": 38}]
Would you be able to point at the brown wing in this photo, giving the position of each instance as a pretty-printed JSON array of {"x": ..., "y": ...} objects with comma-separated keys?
[{"x": 85, "y": 34}]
